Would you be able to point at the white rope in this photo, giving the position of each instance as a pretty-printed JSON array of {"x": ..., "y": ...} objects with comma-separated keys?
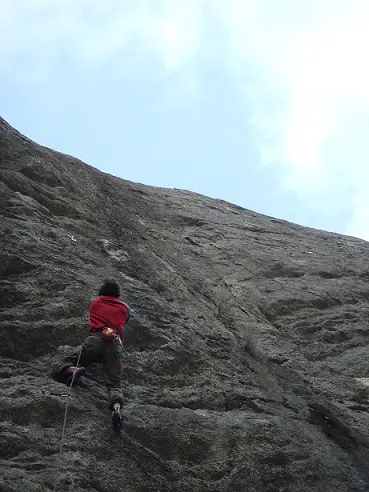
[{"x": 65, "y": 423}]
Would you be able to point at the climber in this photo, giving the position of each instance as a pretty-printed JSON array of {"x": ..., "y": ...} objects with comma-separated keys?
[{"x": 108, "y": 317}]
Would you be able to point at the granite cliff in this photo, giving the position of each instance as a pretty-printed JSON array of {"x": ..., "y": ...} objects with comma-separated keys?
[{"x": 248, "y": 340}]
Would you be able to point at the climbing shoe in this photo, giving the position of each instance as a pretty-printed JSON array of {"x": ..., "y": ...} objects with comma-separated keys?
[{"x": 77, "y": 374}]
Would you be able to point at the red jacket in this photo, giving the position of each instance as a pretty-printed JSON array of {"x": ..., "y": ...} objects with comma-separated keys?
[{"x": 108, "y": 311}]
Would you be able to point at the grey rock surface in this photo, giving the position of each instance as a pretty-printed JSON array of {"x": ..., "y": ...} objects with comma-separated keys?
[{"x": 248, "y": 340}]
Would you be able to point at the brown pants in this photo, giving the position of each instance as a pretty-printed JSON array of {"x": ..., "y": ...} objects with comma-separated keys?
[{"x": 94, "y": 349}]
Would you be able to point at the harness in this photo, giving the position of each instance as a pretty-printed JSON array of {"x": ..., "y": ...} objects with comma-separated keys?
[{"x": 110, "y": 334}]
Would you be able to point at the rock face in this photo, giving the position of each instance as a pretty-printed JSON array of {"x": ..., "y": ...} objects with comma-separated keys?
[{"x": 248, "y": 341}]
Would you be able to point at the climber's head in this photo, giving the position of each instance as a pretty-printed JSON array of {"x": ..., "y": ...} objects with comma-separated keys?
[{"x": 109, "y": 288}]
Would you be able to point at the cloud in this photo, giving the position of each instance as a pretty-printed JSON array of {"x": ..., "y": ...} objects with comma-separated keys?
[
  {"x": 302, "y": 66},
  {"x": 95, "y": 30},
  {"x": 310, "y": 94}
]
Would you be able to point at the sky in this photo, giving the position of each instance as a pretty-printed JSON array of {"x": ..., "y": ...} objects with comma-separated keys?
[{"x": 263, "y": 103}]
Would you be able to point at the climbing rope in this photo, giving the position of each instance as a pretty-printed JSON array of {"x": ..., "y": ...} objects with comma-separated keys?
[
  {"x": 65, "y": 423},
  {"x": 124, "y": 351},
  {"x": 66, "y": 413}
]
